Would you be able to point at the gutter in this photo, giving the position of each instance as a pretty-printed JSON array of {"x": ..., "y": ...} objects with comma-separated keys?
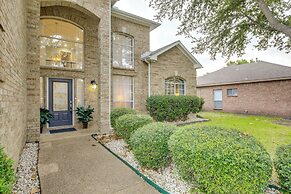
[{"x": 149, "y": 76}]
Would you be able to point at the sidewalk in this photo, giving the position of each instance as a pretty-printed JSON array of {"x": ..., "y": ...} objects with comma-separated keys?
[{"x": 80, "y": 165}]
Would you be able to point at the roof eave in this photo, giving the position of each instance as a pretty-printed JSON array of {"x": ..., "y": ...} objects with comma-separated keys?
[
  {"x": 113, "y": 2},
  {"x": 183, "y": 49},
  {"x": 243, "y": 82},
  {"x": 134, "y": 18}
]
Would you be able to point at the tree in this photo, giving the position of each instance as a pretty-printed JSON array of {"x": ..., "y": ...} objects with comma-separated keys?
[
  {"x": 239, "y": 62},
  {"x": 227, "y": 26}
]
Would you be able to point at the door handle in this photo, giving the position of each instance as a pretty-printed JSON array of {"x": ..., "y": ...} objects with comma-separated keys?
[{"x": 71, "y": 105}]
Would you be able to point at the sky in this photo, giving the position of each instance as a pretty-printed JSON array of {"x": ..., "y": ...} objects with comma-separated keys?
[{"x": 166, "y": 34}]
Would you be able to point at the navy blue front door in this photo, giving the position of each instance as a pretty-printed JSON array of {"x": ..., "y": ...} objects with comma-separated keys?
[{"x": 60, "y": 102}]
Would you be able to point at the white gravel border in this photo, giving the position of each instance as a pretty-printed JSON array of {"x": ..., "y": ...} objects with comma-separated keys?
[
  {"x": 27, "y": 179},
  {"x": 166, "y": 178}
]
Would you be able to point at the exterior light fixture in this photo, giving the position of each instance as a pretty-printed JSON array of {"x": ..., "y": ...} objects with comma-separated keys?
[{"x": 94, "y": 84}]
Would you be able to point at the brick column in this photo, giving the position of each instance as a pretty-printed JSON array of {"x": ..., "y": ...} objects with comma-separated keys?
[{"x": 33, "y": 70}]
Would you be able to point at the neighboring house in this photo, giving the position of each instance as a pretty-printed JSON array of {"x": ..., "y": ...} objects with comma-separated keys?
[
  {"x": 256, "y": 88},
  {"x": 61, "y": 54}
]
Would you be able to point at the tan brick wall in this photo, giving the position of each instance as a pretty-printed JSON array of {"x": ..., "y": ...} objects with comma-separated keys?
[
  {"x": 141, "y": 36},
  {"x": 265, "y": 98},
  {"x": 33, "y": 51},
  {"x": 172, "y": 63},
  {"x": 13, "y": 76}
]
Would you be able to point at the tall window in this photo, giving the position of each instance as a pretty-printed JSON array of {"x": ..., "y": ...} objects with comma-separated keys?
[
  {"x": 122, "y": 91},
  {"x": 122, "y": 51},
  {"x": 61, "y": 44},
  {"x": 175, "y": 86}
]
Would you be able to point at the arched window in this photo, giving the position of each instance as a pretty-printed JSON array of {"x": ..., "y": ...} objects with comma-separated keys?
[
  {"x": 61, "y": 44},
  {"x": 175, "y": 86},
  {"x": 122, "y": 51}
]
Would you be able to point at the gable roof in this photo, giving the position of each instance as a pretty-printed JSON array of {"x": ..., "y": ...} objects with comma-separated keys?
[
  {"x": 246, "y": 73},
  {"x": 153, "y": 55},
  {"x": 134, "y": 18},
  {"x": 113, "y": 2}
]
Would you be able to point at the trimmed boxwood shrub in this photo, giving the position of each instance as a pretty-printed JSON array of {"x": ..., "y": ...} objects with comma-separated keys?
[
  {"x": 7, "y": 174},
  {"x": 150, "y": 144},
  {"x": 118, "y": 112},
  {"x": 173, "y": 108},
  {"x": 127, "y": 124},
  {"x": 283, "y": 166},
  {"x": 220, "y": 160}
]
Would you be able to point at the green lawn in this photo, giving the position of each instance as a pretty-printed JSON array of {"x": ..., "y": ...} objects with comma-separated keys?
[{"x": 264, "y": 129}]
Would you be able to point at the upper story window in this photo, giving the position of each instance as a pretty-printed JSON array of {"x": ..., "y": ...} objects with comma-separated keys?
[
  {"x": 175, "y": 86},
  {"x": 122, "y": 51},
  {"x": 61, "y": 44},
  {"x": 232, "y": 92}
]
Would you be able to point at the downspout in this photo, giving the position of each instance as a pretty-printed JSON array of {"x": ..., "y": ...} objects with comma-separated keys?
[{"x": 149, "y": 77}]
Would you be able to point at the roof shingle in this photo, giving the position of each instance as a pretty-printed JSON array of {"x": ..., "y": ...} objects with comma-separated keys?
[{"x": 252, "y": 72}]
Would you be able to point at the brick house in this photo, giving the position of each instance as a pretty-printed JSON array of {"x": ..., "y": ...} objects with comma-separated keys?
[
  {"x": 256, "y": 88},
  {"x": 61, "y": 54}
]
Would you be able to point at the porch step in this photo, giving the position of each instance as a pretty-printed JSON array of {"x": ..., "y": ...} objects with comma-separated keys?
[{"x": 59, "y": 136}]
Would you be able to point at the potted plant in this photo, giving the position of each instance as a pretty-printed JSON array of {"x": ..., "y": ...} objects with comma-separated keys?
[
  {"x": 85, "y": 115},
  {"x": 45, "y": 117}
]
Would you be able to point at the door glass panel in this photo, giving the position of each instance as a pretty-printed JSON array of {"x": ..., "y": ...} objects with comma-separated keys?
[
  {"x": 60, "y": 96},
  {"x": 217, "y": 95},
  {"x": 79, "y": 92}
]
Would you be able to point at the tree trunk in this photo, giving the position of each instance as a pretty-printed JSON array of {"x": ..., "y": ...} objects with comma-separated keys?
[{"x": 274, "y": 23}]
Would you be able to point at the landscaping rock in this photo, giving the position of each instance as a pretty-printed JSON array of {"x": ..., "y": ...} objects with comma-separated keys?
[
  {"x": 166, "y": 178},
  {"x": 27, "y": 180}
]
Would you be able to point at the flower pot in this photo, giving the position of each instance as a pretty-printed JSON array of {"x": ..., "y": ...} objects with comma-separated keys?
[{"x": 85, "y": 125}]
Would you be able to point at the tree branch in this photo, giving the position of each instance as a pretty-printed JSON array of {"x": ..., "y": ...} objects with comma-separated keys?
[{"x": 274, "y": 23}]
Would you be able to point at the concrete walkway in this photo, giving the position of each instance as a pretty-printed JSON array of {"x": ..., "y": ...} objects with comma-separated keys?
[{"x": 80, "y": 165}]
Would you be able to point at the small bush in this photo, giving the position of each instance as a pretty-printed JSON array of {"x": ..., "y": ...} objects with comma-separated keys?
[
  {"x": 118, "y": 112},
  {"x": 283, "y": 166},
  {"x": 7, "y": 175},
  {"x": 173, "y": 108},
  {"x": 220, "y": 160},
  {"x": 127, "y": 124},
  {"x": 150, "y": 144}
]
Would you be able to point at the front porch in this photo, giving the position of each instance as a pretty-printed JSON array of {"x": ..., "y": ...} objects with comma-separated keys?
[{"x": 72, "y": 68}]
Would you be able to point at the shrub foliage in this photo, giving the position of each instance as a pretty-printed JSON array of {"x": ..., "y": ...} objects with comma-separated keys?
[
  {"x": 150, "y": 144},
  {"x": 127, "y": 124},
  {"x": 118, "y": 112},
  {"x": 173, "y": 108},
  {"x": 220, "y": 160},
  {"x": 283, "y": 166},
  {"x": 7, "y": 174}
]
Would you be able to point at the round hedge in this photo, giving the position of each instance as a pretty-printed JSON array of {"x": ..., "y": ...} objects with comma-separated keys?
[
  {"x": 150, "y": 144},
  {"x": 127, "y": 124},
  {"x": 220, "y": 160},
  {"x": 7, "y": 175},
  {"x": 118, "y": 112},
  {"x": 283, "y": 166}
]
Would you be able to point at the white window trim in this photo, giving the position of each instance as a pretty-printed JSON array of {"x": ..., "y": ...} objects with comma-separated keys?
[
  {"x": 175, "y": 85},
  {"x": 232, "y": 92},
  {"x": 82, "y": 43},
  {"x": 133, "y": 91},
  {"x": 133, "y": 50}
]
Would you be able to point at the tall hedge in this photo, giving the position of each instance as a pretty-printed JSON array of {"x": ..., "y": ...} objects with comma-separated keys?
[
  {"x": 220, "y": 160},
  {"x": 118, "y": 112},
  {"x": 283, "y": 166},
  {"x": 7, "y": 174},
  {"x": 173, "y": 108},
  {"x": 127, "y": 124}
]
